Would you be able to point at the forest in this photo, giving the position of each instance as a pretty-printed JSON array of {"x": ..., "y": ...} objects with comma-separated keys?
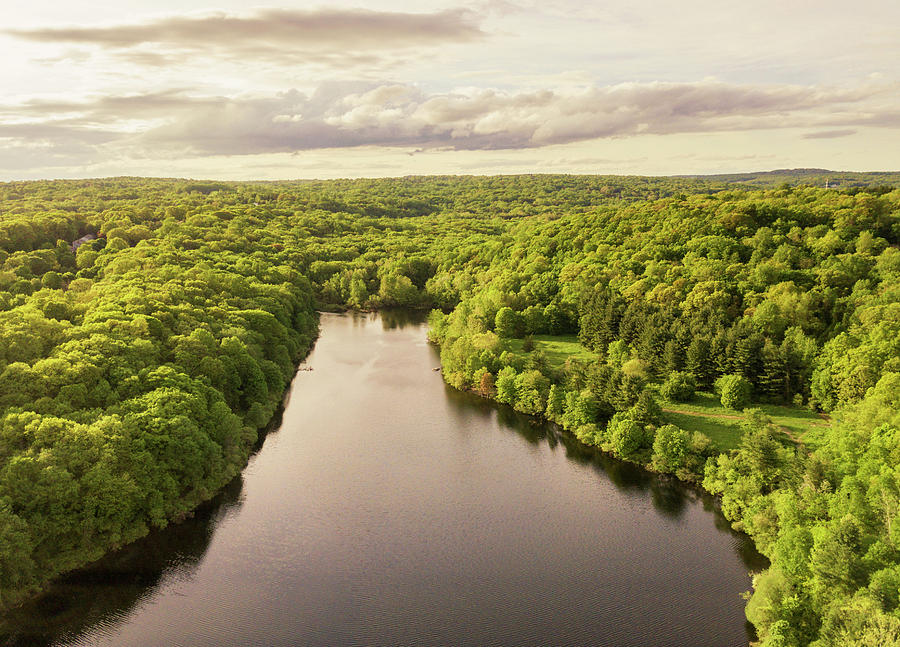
[{"x": 149, "y": 329}]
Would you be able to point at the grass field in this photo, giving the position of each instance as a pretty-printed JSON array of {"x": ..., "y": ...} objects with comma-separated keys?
[
  {"x": 725, "y": 432},
  {"x": 557, "y": 348},
  {"x": 704, "y": 413}
]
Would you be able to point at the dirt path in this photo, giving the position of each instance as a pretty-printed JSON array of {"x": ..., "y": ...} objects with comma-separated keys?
[{"x": 730, "y": 416}]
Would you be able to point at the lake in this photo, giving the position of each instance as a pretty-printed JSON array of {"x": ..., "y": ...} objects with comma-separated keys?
[{"x": 389, "y": 509}]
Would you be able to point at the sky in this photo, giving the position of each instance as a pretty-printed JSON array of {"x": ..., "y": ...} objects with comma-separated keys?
[{"x": 228, "y": 90}]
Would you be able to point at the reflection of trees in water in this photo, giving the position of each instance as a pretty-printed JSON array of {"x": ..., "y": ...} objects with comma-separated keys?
[
  {"x": 110, "y": 588},
  {"x": 669, "y": 496},
  {"x": 391, "y": 319},
  {"x": 273, "y": 427},
  {"x": 743, "y": 545}
]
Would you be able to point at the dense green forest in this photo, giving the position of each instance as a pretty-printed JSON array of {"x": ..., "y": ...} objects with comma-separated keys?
[{"x": 148, "y": 329}]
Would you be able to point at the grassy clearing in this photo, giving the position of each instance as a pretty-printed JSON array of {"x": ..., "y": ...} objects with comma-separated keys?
[
  {"x": 557, "y": 348},
  {"x": 706, "y": 414},
  {"x": 724, "y": 432}
]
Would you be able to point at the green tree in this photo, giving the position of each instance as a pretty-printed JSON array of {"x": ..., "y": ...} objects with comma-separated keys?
[
  {"x": 630, "y": 439},
  {"x": 678, "y": 387},
  {"x": 670, "y": 448},
  {"x": 734, "y": 391},
  {"x": 508, "y": 323},
  {"x": 506, "y": 385}
]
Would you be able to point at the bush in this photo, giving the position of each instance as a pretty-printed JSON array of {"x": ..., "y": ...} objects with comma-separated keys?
[
  {"x": 679, "y": 387},
  {"x": 630, "y": 439},
  {"x": 646, "y": 409},
  {"x": 636, "y": 368},
  {"x": 734, "y": 391},
  {"x": 588, "y": 434},
  {"x": 670, "y": 447}
]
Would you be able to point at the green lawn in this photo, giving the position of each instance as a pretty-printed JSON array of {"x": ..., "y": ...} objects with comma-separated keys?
[
  {"x": 557, "y": 348},
  {"x": 706, "y": 414},
  {"x": 724, "y": 432}
]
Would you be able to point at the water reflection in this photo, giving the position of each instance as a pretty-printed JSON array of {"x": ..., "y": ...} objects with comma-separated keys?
[
  {"x": 399, "y": 319},
  {"x": 669, "y": 496}
]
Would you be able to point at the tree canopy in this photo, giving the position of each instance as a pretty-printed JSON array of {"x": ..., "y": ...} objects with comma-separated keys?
[{"x": 138, "y": 365}]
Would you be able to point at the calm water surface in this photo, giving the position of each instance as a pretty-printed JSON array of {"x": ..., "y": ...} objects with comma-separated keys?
[{"x": 388, "y": 509}]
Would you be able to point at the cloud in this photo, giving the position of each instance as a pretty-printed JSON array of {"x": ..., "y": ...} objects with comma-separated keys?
[
  {"x": 106, "y": 109},
  {"x": 479, "y": 119},
  {"x": 830, "y": 134},
  {"x": 324, "y": 35},
  {"x": 176, "y": 123}
]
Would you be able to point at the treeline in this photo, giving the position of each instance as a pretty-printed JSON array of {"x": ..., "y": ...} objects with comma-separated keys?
[{"x": 137, "y": 366}]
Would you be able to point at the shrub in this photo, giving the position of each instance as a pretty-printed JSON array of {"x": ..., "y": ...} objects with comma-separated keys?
[
  {"x": 679, "y": 387},
  {"x": 734, "y": 391},
  {"x": 670, "y": 447},
  {"x": 588, "y": 434},
  {"x": 636, "y": 368},
  {"x": 630, "y": 439}
]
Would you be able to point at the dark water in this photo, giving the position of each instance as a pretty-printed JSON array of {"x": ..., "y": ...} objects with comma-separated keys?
[{"x": 388, "y": 509}]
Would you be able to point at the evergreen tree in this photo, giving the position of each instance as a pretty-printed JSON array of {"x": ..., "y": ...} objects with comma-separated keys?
[
  {"x": 673, "y": 357},
  {"x": 699, "y": 363},
  {"x": 774, "y": 380},
  {"x": 747, "y": 359}
]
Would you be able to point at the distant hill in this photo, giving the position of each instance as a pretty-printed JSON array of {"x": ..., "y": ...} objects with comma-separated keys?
[{"x": 808, "y": 177}]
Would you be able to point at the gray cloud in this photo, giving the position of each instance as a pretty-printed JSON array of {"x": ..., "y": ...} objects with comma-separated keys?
[
  {"x": 402, "y": 115},
  {"x": 326, "y": 35},
  {"x": 344, "y": 115},
  {"x": 50, "y": 144},
  {"x": 830, "y": 134},
  {"x": 106, "y": 109}
]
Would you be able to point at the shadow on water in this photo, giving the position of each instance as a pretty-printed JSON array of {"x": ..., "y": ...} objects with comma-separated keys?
[
  {"x": 111, "y": 587},
  {"x": 669, "y": 496}
]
